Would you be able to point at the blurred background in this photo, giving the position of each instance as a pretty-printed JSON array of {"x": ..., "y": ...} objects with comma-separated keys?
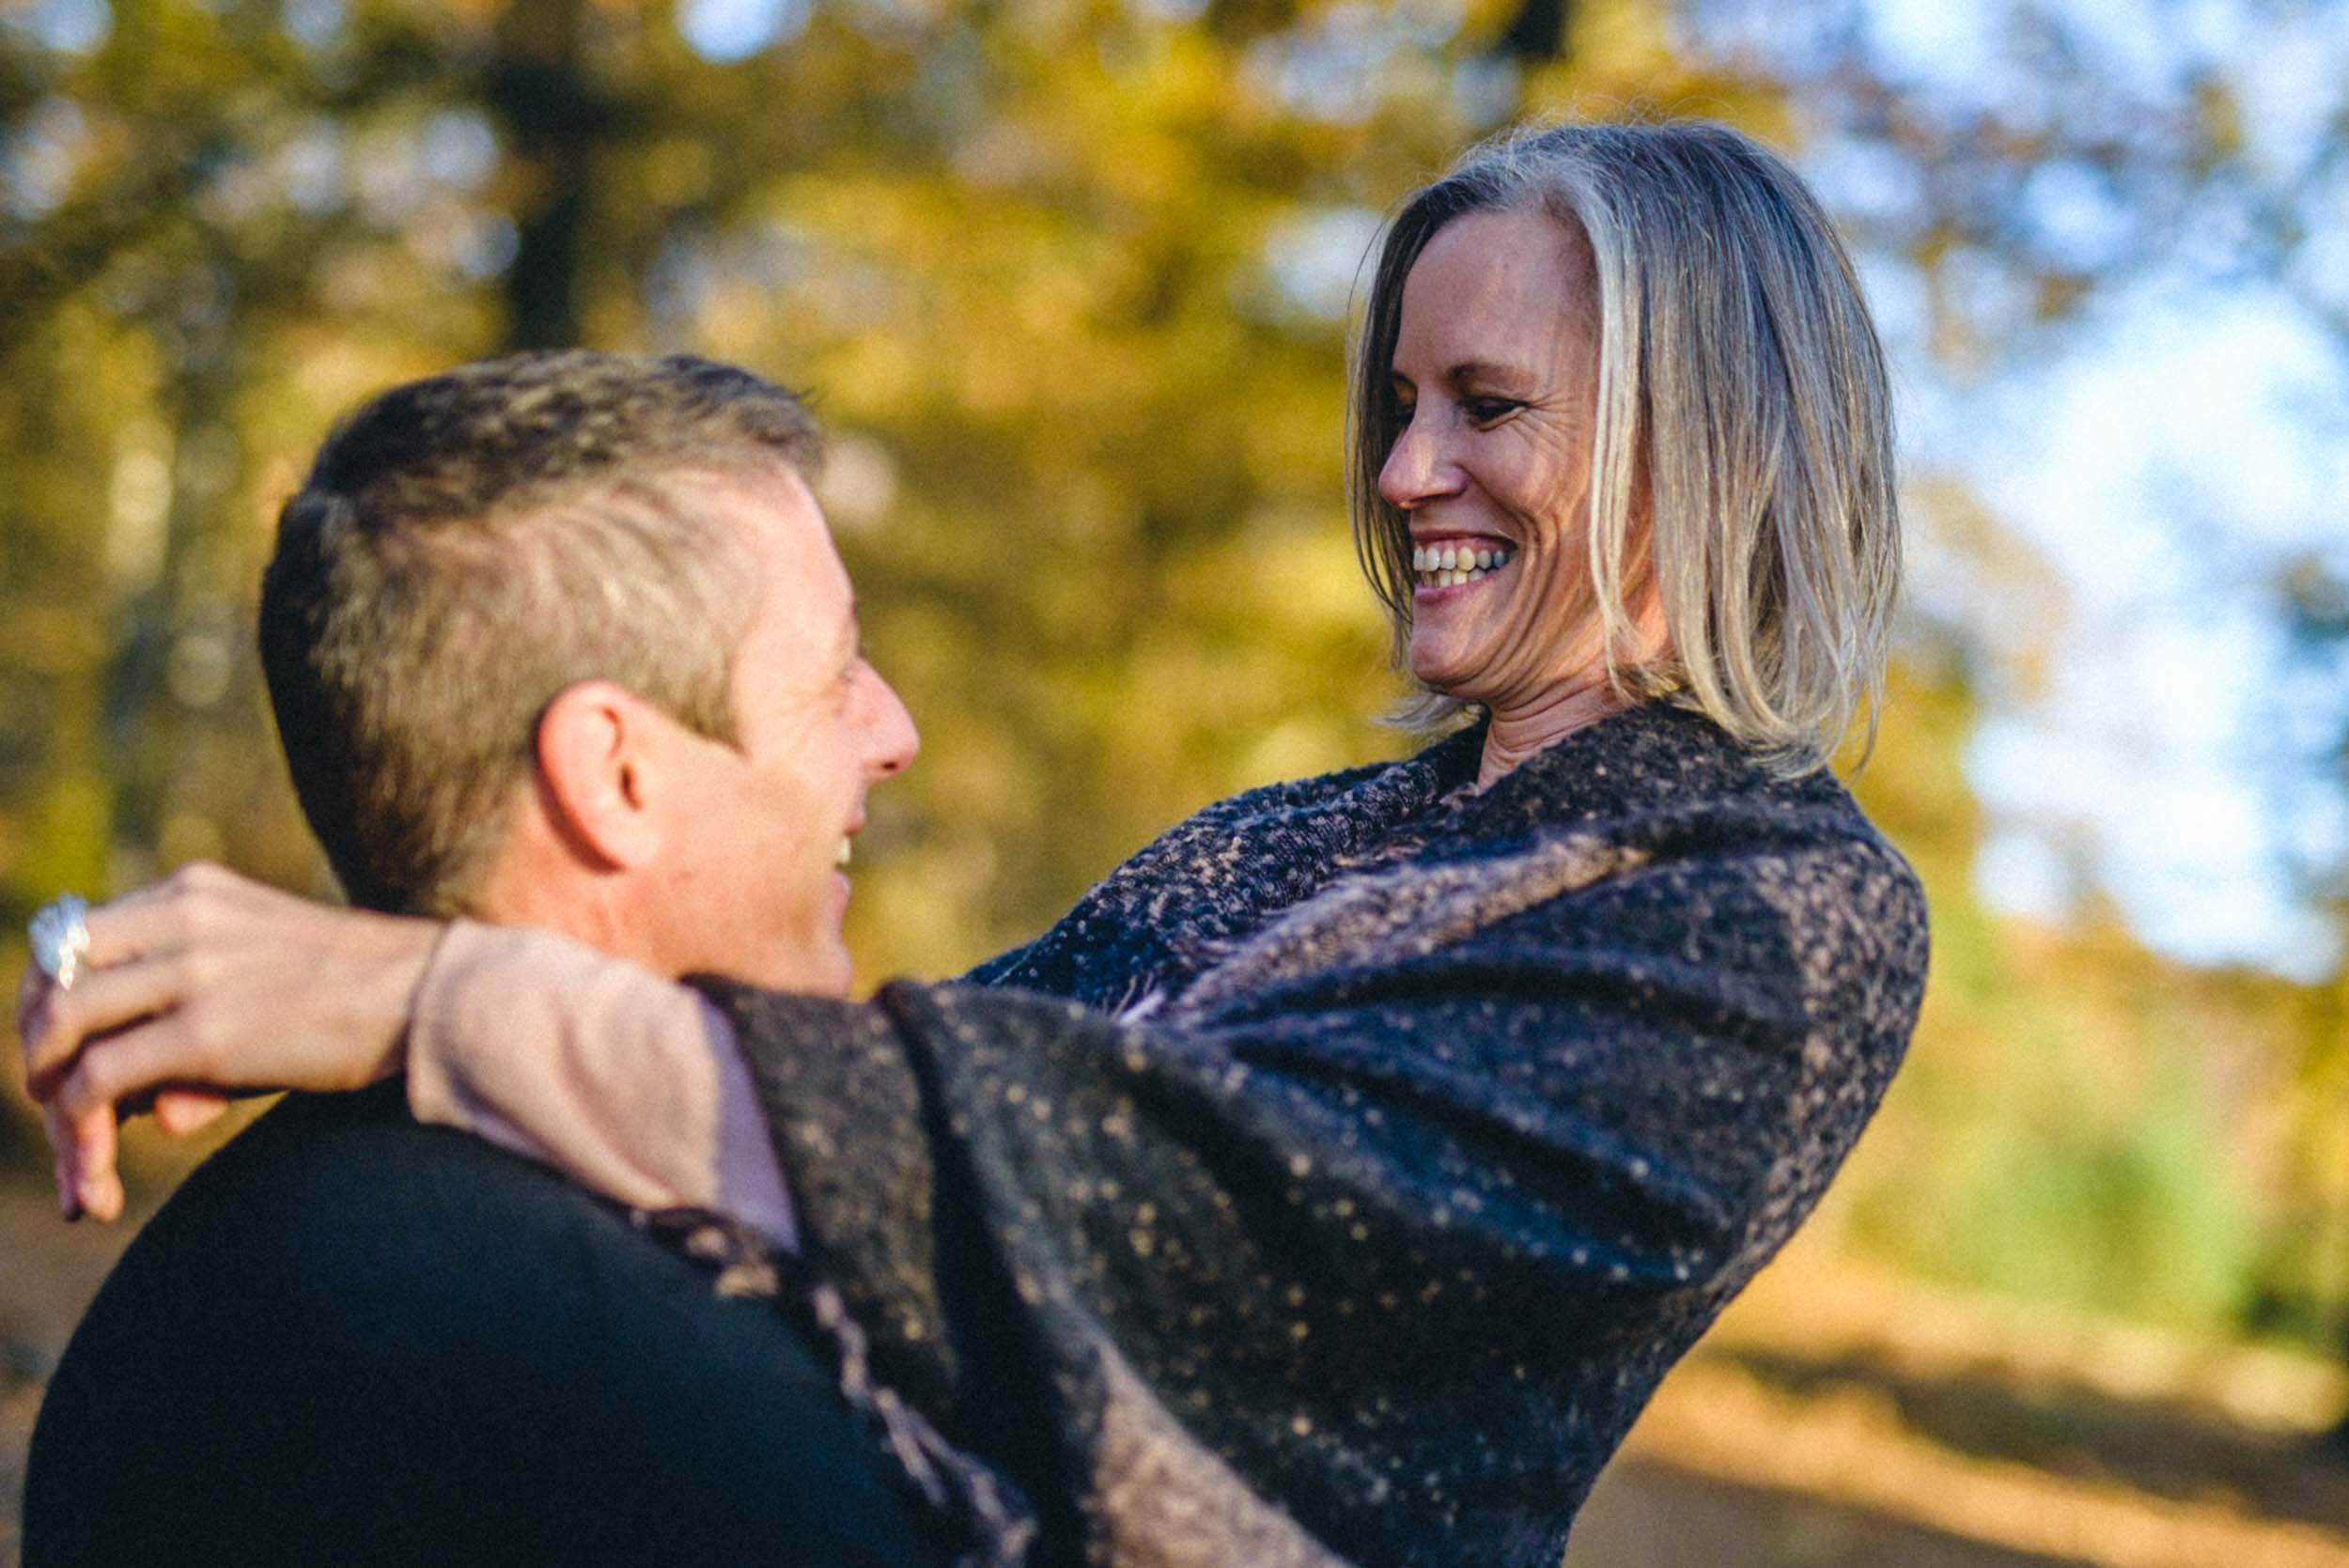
[{"x": 1070, "y": 281}]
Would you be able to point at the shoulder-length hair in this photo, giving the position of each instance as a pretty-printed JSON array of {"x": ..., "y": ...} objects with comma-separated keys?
[{"x": 1743, "y": 406}]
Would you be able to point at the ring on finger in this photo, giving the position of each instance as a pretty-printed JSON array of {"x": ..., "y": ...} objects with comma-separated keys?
[{"x": 60, "y": 938}]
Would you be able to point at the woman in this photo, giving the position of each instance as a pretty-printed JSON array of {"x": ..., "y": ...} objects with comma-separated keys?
[{"x": 1335, "y": 1181}]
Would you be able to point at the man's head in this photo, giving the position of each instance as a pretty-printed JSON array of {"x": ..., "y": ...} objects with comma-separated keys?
[{"x": 562, "y": 639}]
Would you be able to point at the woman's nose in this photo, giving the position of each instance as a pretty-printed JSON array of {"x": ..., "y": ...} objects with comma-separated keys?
[{"x": 1415, "y": 469}]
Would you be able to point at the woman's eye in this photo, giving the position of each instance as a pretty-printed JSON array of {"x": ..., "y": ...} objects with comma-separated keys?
[{"x": 1485, "y": 410}]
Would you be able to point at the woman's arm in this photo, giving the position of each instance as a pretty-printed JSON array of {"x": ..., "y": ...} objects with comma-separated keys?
[
  {"x": 1626, "y": 1095},
  {"x": 208, "y": 981}
]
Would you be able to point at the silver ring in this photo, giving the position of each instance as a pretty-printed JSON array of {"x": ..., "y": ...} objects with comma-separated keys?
[{"x": 60, "y": 938}]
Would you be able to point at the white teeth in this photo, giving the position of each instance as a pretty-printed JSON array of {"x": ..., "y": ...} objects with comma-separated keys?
[
  {"x": 1449, "y": 565},
  {"x": 842, "y": 858}
]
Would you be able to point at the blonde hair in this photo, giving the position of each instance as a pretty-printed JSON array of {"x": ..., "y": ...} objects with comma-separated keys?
[{"x": 1740, "y": 381}]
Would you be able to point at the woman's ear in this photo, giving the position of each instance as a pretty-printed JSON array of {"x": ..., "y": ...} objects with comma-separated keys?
[{"x": 598, "y": 753}]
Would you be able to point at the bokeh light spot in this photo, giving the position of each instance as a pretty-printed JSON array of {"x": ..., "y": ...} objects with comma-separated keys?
[{"x": 730, "y": 30}]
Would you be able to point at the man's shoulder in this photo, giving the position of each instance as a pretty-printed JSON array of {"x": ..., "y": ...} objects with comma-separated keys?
[
  {"x": 338, "y": 1226},
  {"x": 331, "y": 1228},
  {"x": 324, "y": 1182},
  {"x": 338, "y": 1150},
  {"x": 330, "y": 1210},
  {"x": 370, "y": 1341}
]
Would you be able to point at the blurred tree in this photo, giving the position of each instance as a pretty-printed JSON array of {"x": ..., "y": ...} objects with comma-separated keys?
[
  {"x": 1077, "y": 270},
  {"x": 2308, "y": 1281},
  {"x": 1070, "y": 279}
]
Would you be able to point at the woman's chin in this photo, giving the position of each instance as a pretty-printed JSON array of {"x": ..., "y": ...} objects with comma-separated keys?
[{"x": 1444, "y": 670}]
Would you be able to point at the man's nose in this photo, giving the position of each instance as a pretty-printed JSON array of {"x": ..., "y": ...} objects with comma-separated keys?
[{"x": 894, "y": 741}]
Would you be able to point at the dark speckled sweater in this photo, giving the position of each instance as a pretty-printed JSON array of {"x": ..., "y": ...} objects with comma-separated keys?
[{"x": 1335, "y": 1182}]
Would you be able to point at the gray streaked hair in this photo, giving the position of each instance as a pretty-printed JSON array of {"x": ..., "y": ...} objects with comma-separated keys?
[
  {"x": 467, "y": 546},
  {"x": 1743, "y": 406}
]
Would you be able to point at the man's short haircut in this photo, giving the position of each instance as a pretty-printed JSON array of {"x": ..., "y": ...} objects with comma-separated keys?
[{"x": 469, "y": 545}]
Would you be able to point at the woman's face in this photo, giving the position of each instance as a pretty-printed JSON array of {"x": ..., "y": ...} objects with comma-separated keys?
[{"x": 1496, "y": 378}]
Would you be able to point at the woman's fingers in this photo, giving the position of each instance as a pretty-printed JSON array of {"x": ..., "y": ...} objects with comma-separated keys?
[
  {"x": 84, "y": 1142},
  {"x": 153, "y": 919},
  {"x": 108, "y": 1071},
  {"x": 63, "y": 1022},
  {"x": 204, "y": 983},
  {"x": 161, "y": 916},
  {"x": 157, "y": 920},
  {"x": 97, "y": 1183},
  {"x": 163, "y": 1050},
  {"x": 208, "y": 983},
  {"x": 181, "y": 1111},
  {"x": 83, "y": 1121},
  {"x": 62, "y": 1150}
]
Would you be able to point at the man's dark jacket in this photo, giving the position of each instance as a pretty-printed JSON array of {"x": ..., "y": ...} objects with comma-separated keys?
[{"x": 351, "y": 1339}]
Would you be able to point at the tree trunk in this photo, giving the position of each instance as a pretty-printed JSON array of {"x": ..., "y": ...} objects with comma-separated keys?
[{"x": 554, "y": 121}]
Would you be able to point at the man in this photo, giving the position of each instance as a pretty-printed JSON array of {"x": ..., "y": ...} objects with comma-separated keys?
[{"x": 557, "y": 641}]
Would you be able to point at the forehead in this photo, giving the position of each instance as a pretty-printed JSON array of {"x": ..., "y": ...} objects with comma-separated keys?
[
  {"x": 1493, "y": 276},
  {"x": 801, "y": 583}
]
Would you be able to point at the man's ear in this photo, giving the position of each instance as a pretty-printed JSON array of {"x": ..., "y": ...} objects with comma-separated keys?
[{"x": 599, "y": 749}]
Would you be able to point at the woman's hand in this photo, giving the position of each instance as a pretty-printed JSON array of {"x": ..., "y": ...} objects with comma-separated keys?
[{"x": 203, "y": 986}]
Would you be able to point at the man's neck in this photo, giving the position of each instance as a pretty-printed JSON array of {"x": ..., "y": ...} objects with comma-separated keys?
[{"x": 569, "y": 905}]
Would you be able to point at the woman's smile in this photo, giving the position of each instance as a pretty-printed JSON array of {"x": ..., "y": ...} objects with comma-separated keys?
[
  {"x": 1494, "y": 371},
  {"x": 1438, "y": 564}
]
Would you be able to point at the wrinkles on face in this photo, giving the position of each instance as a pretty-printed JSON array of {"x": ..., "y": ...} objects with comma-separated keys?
[{"x": 1495, "y": 373}]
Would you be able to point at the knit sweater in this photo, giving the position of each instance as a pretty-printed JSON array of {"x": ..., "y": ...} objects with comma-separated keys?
[{"x": 1333, "y": 1184}]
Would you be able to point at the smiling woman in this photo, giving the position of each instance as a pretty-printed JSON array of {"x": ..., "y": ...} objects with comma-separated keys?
[
  {"x": 1331, "y": 1186},
  {"x": 1640, "y": 355},
  {"x": 1495, "y": 378}
]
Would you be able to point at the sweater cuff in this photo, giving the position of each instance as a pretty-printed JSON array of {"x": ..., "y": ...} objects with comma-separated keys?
[
  {"x": 845, "y": 1108},
  {"x": 624, "y": 1083}
]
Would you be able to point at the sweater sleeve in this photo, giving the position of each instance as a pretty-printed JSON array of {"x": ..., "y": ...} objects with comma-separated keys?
[
  {"x": 1445, "y": 1181},
  {"x": 628, "y": 1085}
]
